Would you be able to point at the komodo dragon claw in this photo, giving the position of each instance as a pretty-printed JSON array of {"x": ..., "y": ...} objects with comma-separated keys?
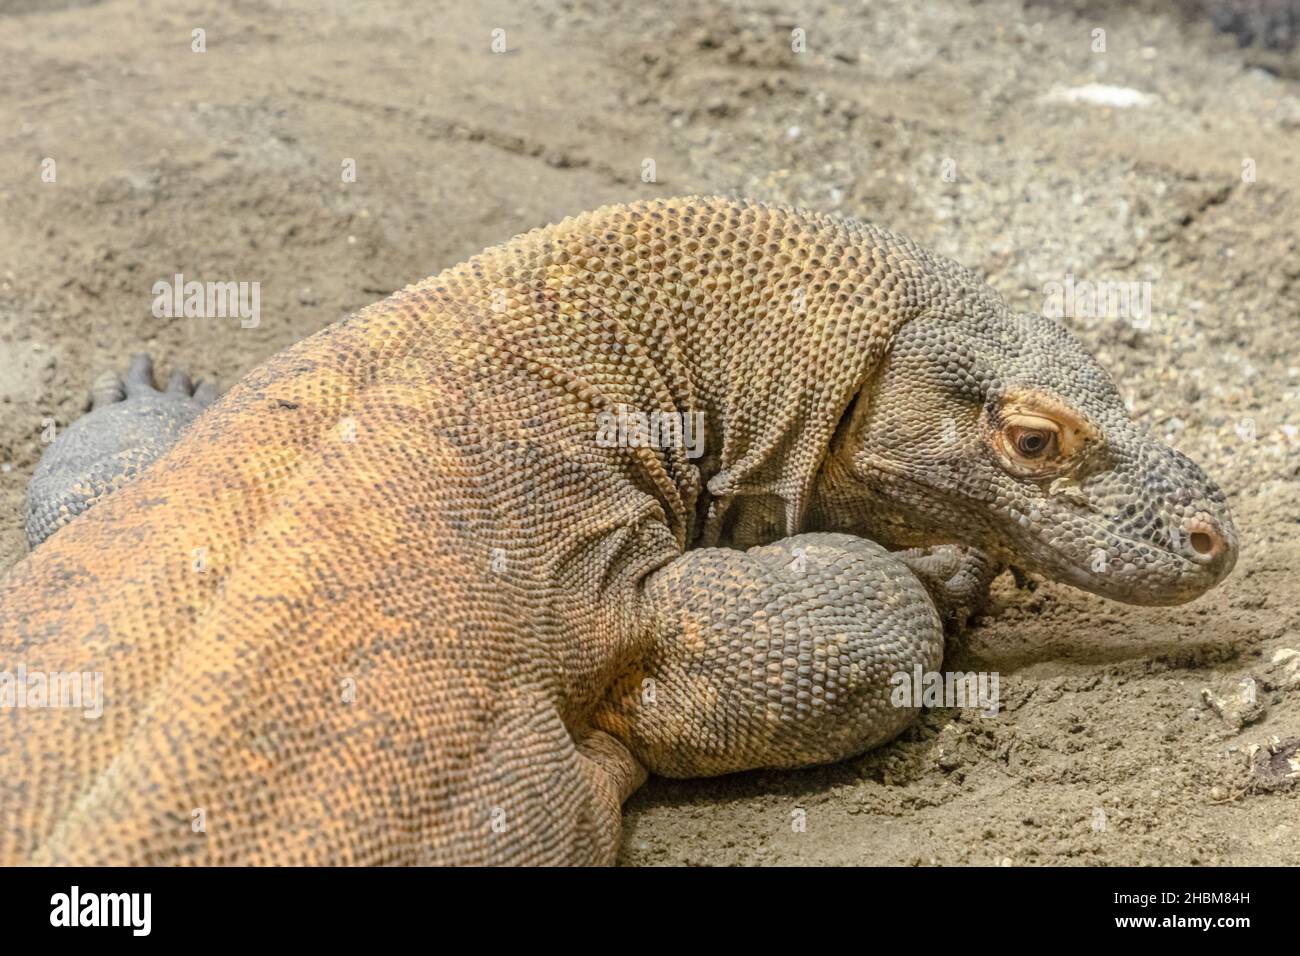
[{"x": 958, "y": 579}]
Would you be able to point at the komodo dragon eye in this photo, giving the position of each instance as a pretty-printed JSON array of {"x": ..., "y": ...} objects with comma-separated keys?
[
  {"x": 1037, "y": 436},
  {"x": 1032, "y": 442}
]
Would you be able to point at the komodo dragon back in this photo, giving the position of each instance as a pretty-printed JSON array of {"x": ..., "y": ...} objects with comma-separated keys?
[{"x": 392, "y": 600}]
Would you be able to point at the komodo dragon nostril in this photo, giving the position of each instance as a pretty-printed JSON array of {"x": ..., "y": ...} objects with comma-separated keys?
[{"x": 1206, "y": 538}]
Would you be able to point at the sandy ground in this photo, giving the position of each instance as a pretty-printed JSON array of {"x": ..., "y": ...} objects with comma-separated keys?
[{"x": 935, "y": 119}]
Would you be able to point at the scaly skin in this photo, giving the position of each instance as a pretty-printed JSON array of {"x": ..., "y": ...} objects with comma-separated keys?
[{"x": 389, "y": 601}]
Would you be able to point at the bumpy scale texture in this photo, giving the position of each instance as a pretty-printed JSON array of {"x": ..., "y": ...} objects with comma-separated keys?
[{"x": 390, "y": 601}]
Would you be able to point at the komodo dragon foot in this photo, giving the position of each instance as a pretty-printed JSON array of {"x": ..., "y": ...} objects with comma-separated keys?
[
  {"x": 780, "y": 656},
  {"x": 957, "y": 578},
  {"x": 129, "y": 425}
]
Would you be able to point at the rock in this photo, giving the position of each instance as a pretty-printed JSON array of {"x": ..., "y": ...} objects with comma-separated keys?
[
  {"x": 1276, "y": 765},
  {"x": 1237, "y": 710},
  {"x": 1100, "y": 94}
]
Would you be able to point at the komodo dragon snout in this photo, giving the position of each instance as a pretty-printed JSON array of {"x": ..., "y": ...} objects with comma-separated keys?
[{"x": 1000, "y": 431}]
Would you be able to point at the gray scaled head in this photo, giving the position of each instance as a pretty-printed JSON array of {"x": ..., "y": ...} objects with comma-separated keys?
[{"x": 999, "y": 430}]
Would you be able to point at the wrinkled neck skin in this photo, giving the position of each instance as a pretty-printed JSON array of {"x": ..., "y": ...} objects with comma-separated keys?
[
  {"x": 772, "y": 362},
  {"x": 768, "y": 421},
  {"x": 763, "y": 321},
  {"x": 870, "y": 492},
  {"x": 872, "y": 508}
]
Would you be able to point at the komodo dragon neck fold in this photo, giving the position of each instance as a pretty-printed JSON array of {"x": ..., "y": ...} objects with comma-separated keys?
[{"x": 766, "y": 322}]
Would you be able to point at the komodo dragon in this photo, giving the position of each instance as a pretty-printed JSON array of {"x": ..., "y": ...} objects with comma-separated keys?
[{"x": 392, "y": 600}]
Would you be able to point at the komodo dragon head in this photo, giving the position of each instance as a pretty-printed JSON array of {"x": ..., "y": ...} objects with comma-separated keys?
[{"x": 1000, "y": 431}]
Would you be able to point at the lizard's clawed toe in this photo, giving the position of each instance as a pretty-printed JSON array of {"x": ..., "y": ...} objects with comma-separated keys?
[
  {"x": 180, "y": 385},
  {"x": 129, "y": 424},
  {"x": 110, "y": 388},
  {"x": 139, "y": 375},
  {"x": 206, "y": 393},
  {"x": 958, "y": 579}
]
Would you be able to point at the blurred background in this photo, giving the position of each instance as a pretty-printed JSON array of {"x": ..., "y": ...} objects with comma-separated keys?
[{"x": 336, "y": 151}]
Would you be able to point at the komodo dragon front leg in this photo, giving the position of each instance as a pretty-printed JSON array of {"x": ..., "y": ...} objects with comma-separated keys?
[
  {"x": 779, "y": 656},
  {"x": 956, "y": 578}
]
